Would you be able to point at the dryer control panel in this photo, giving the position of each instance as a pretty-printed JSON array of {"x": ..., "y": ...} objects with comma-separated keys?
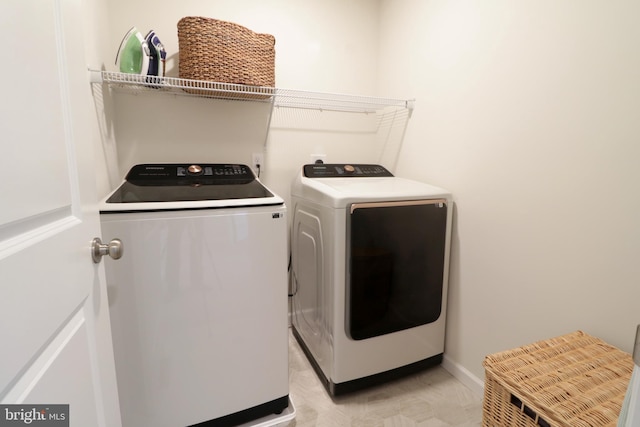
[{"x": 340, "y": 170}]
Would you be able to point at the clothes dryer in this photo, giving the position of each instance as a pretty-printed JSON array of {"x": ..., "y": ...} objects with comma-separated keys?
[
  {"x": 198, "y": 302},
  {"x": 370, "y": 259}
]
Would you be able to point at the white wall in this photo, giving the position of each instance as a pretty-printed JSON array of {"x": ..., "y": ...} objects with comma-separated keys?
[
  {"x": 529, "y": 113},
  {"x": 326, "y": 45},
  {"x": 95, "y": 28},
  {"x": 320, "y": 45}
]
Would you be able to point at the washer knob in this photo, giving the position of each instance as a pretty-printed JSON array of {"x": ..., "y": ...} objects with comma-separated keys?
[
  {"x": 195, "y": 169},
  {"x": 349, "y": 169}
]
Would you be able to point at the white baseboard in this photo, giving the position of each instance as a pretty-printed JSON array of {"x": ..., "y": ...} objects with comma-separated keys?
[{"x": 464, "y": 376}]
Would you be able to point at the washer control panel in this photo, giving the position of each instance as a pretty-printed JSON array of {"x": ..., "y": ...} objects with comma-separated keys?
[
  {"x": 241, "y": 171},
  {"x": 340, "y": 170},
  {"x": 175, "y": 174}
]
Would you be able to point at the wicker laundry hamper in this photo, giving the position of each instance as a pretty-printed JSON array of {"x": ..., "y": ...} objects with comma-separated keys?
[
  {"x": 212, "y": 50},
  {"x": 572, "y": 380}
]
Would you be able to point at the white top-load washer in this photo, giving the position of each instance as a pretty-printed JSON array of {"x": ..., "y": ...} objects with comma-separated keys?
[
  {"x": 370, "y": 259},
  {"x": 198, "y": 301}
]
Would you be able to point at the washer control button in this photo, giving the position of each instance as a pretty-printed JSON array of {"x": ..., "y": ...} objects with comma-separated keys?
[
  {"x": 195, "y": 170},
  {"x": 349, "y": 169}
]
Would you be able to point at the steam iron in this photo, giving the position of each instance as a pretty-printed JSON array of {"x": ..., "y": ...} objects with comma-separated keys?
[
  {"x": 158, "y": 55},
  {"x": 133, "y": 54}
]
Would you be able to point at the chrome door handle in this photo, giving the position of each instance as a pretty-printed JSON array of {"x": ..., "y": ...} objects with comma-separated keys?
[{"x": 114, "y": 249}]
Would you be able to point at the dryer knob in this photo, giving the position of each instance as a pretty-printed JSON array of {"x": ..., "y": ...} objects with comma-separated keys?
[
  {"x": 195, "y": 169},
  {"x": 349, "y": 169}
]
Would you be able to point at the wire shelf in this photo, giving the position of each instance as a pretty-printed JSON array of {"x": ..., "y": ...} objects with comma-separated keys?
[{"x": 280, "y": 98}]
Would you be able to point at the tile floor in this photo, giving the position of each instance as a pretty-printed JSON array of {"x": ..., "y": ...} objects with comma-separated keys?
[{"x": 432, "y": 398}]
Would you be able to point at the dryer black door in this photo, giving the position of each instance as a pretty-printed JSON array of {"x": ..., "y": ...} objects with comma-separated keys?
[{"x": 396, "y": 256}]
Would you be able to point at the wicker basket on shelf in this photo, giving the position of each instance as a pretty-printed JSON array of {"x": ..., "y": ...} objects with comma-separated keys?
[
  {"x": 573, "y": 380},
  {"x": 219, "y": 51}
]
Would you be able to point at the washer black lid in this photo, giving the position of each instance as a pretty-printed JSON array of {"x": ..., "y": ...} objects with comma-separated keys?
[{"x": 188, "y": 182}]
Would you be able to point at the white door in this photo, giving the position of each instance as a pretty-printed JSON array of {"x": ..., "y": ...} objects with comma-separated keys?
[{"x": 55, "y": 342}]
